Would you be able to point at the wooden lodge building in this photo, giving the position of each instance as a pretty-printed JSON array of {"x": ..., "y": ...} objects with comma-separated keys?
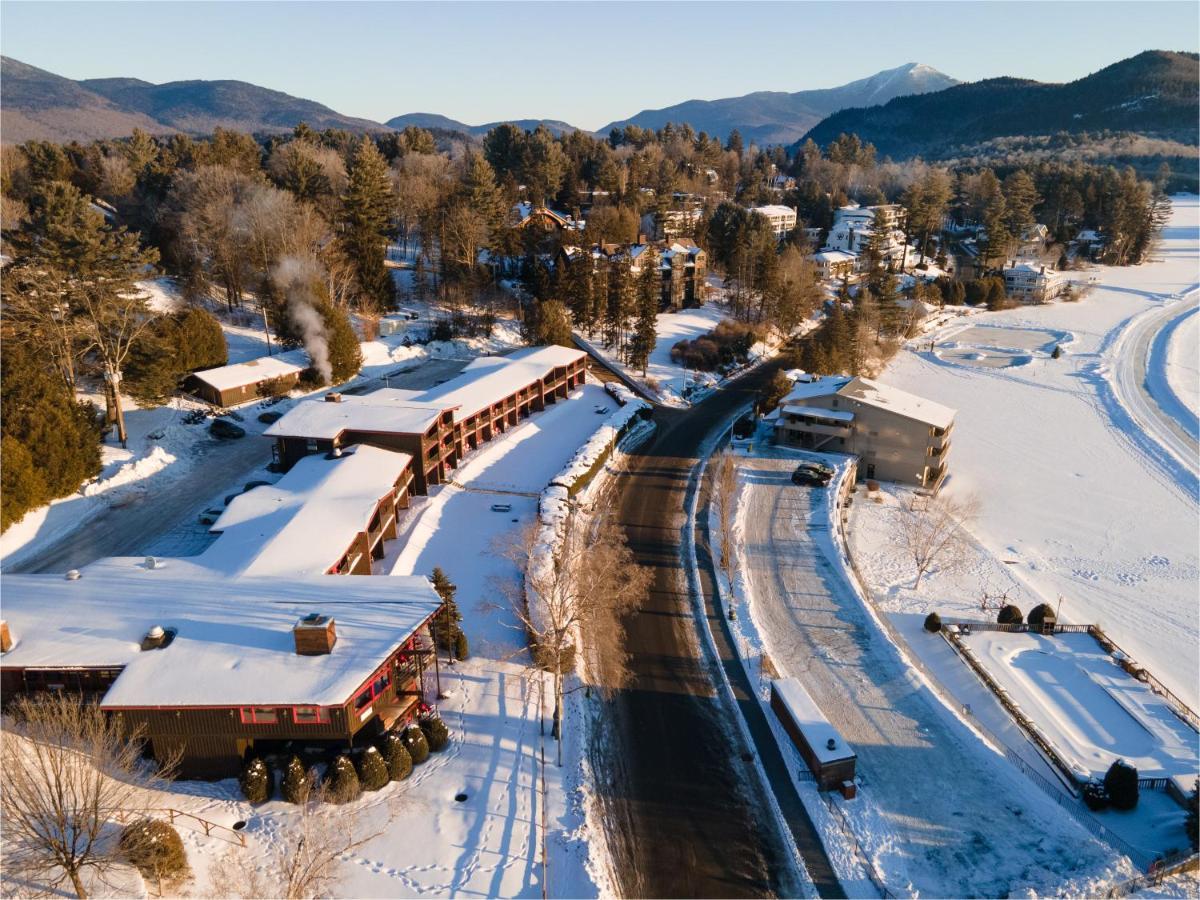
[
  {"x": 213, "y": 667},
  {"x": 438, "y": 426},
  {"x": 251, "y": 380},
  {"x": 329, "y": 515}
]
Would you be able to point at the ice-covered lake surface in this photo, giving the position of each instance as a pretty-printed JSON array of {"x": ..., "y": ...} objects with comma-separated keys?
[
  {"x": 1085, "y": 705},
  {"x": 998, "y": 347}
]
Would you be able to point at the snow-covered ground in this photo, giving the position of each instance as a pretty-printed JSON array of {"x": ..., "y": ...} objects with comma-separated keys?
[
  {"x": 1076, "y": 499},
  {"x": 938, "y": 813},
  {"x": 1181, "y": 364},
  {"x": 1086, "y": 706}
]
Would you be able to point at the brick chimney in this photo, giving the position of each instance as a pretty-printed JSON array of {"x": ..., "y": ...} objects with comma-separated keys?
[
  {"x": 6, "y": 641},
  {"x": 315, "y": 635},
  {"x": 333, "y": 397}
]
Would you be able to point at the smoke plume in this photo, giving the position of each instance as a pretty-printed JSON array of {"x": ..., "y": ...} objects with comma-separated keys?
[{"x": 295, "y": 277}]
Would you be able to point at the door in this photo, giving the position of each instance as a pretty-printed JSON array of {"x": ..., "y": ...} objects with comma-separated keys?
[{"x": 870, "y": 470}]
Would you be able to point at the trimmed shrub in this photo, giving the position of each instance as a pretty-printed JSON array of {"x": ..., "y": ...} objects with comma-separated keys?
[
  {"x": 1010, "y": 615},
  {"x": 372, "y": 770},
  {"x": 437, "y": 735},
  {"x": 933, "y": 623},
  {"x": 396, "y": 755},
  {"x": 1095, "y": 796},
  {"x": 256, "y": 780},
  {"x": 297, "y": 782},
  {"x": 462, "y": 649},
  {"x": 415, "y": 744},
  {"x": 155, "y": 849},
  {"x": 1121, "y": 783},
  {"x": 341, "y": 780},
  {"x": 1041, "y": 614}
]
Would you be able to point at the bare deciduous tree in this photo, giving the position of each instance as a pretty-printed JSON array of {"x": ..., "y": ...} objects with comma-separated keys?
[
  {"x": 303, "y": 860},
  {"x": 931, "y": 530},
  {"x": 68, "y": 773},
  {"x": 725, "y": 484},
  {"x": 576, "y": 599}
]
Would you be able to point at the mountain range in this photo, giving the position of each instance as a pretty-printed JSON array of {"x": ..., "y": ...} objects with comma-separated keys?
[
  {"x": 910, "y": 110},
  {"x": 1154, "y": 93},
  {"x": 774, "y": 117}
]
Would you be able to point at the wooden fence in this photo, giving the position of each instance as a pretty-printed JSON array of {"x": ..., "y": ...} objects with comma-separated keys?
[{"x": 224, "y": 832}]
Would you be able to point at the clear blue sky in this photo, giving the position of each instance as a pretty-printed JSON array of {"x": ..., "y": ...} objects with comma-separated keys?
[{"x": 585, "y": 63}]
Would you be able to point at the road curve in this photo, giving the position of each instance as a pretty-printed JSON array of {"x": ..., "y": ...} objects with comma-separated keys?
[
  {"x": 1141, "y": 394},
  {"x": 685, "y": 811}
]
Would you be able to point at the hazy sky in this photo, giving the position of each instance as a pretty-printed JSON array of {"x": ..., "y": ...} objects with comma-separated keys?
[{"x": 585, "y": 63}]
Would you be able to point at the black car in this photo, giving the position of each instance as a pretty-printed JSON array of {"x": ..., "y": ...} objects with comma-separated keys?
[{"x": 813, "y": 474}]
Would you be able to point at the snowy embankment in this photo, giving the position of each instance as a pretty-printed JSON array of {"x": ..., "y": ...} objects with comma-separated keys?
[
  {"x": 1183, "y": 361},
  {"x": 1076, "y": 500},
  {"x": 579, "y": 479},
  {"x": 799, "y": 615}
]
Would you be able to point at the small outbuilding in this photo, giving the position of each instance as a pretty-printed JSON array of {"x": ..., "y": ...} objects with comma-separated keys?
[
  {"x": 829, "y": 757},
  {"x": 249, "y": 380}
]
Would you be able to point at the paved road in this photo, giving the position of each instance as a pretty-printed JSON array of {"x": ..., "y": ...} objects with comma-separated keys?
[
  {"x": 686, "y": 811},
  {"x": 941, "y": 835}
]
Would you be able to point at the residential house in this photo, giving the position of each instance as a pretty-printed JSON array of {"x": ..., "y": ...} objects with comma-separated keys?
[
  {"x": 897, "y": 436},
  {"x": 782, "y": 218},
  {"x": 250, "y": 380},
  {"x": 212, "y": 668},
  {"x": 1032, "y": 282},
  {"x": 835, "y": 265},
  {"x": 853, "y": 225}
]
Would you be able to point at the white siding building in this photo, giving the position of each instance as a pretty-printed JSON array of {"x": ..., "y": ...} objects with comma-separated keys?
[{"x": 782, "y": 218}]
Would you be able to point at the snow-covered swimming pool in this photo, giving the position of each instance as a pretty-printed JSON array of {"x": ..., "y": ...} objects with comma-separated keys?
[
  {"x": 1085, "y": 705},
  {"x": 998, "y": 347}
]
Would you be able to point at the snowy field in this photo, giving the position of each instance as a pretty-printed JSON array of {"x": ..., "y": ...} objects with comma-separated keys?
[
  {"x": 1085, "y": 705},
  {"x": 1085, "y": 490},
  {"x": 1183, "y": 362},
  {"x": 981, "y": 831}
]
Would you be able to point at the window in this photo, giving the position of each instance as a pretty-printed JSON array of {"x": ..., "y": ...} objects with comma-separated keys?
[
  {"x": 364, "y": 697},
  {"x": 259, "y": 715},
  {"x": 310, "y": 715},
  {"x": 382, "y": 680}
]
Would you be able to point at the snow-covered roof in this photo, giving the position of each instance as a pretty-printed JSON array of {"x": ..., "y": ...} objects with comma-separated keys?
[
  {"x": 822, "y": 387},
  {"x": 834, "y": 256},
  {"x": 253, "y": 371},
  {"x": 302, "y": 524},
  {"x": 902, "y": 403},
  {"x": 837, "y": 415},
  {"x": 376, "y": 412},
  {"x": 233, "y": 644},
  {"x": 489, "y": 379},
  {"x": 773, "y": 209},
  {"x": 817, "y": 730},
  {"x": 552, "y": 356}
]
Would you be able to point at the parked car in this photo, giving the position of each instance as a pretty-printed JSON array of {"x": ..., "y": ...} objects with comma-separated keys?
[
  {"x": 501, "y": 507},
  {"x": 225, "y": 430},
  {"x": 813, "y": 474}
]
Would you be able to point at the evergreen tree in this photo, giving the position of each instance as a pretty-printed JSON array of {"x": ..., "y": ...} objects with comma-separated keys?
[
  {"x": 345, "y": 351},
  {"x": 995, "y": 219},
  {"x": 297, "y": 782},
  {"x": 887, "y": 299},
  {"x": 547, "y": 323},
  {"x": 395, "y": 754},
  {"x": 256, "y": 780},
  {"x": 94, "y": 269},
  {"x": 172, "y": 348},
  {"x": 1020, "y": 197},
  {"x": 341, "y": 780},
  {"x": 372, "y": 770},
  {"x": 59, "y": 435},
  {"x": 579, "y": 292},
  {"x": 649, "y": 292},
  {"x": 367, "y": 209},
  {"x": 437, "y": 735},
  {"x": 415, "y": 743},
  {"x": 448, "y": 621}
]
